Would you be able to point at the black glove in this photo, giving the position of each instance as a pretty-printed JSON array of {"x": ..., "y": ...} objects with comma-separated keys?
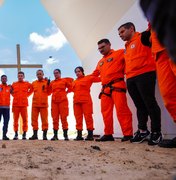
[
  {"x": 48, "y": 82},
  {"x": 145, "y": 38}
]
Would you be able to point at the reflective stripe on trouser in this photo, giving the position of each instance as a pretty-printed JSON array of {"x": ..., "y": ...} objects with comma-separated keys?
[
  {"x": 167, "y": 82},
  {"x": 44, "y": 117},
  {"x": 59, "y": 110},
  {"x": 85, "y": 109},
  {"x": 124, "y": 114},
  {"x": 16, "y": 114}
]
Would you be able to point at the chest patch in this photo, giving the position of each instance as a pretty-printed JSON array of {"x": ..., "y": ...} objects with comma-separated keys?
[
  {"x": 132, "y": 46},
  {"x": 109, "y": 60}
]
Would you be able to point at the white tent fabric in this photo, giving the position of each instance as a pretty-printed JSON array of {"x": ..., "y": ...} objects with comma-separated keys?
[{"x": 85, "y": 22}]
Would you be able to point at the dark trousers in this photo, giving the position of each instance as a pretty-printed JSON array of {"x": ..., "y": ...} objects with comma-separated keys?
[
  {"x": 6, "y": 115},
  {"x": 142, "y": 91}
]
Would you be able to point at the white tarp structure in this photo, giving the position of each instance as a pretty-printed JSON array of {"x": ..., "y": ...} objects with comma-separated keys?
[{"x": 85, "y": 22}]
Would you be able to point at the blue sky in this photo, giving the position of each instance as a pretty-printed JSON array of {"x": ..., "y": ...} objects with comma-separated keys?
[{"x": 27, "y": 23}]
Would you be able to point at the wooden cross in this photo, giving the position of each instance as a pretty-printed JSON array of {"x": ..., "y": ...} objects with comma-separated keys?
[{"x": 19, "y": 66}]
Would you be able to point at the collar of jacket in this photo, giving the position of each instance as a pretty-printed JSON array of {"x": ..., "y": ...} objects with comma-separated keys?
[
  {"x": 81, "y": 77},
  {"x": 110, "y": 52},
  {"x": 135, "y": 36}
]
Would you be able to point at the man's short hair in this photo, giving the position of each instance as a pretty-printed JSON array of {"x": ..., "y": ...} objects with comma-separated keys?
[
  {"x": 128, "y": 25},
  {"x": 39, "y": 70},
  {"x": 21, "y": 72},
  {"x": 58, "y": 70},
  {"x": 3, "y": 76},
  {"x": 104, "y": 41}
]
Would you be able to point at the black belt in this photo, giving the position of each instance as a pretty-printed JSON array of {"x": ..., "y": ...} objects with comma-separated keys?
[
  {"x": 112, "y": 88},
  {"x": 112, "y": 82}
]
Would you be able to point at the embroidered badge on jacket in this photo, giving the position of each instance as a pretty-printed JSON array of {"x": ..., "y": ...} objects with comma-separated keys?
[
  {"x": 101, "y": 63},
  {"x": 132, "y": 46},
  {"x": 109, "y": 60}
]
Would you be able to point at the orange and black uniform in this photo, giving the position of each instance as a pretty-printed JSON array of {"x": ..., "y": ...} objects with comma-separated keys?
[
  {"x": 166, "y": 73},
  {"x": 111, "y": 70},
  {"x": 5, "y": 106},
  {"x": 40, "y": 103},
  {"x": 59, "y": 102},
  {"x": 82, "y": 101},
  {"x": 21, "y": 92},
  {"x": 141, "y": 79}
]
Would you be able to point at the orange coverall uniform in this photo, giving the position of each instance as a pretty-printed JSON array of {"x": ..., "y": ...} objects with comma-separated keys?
[
  {"x": 59, "y": 101},
  {"x": 21, "y": 92},
  {"x": 82, "y": 101},
  {"x": 4, "y": 95},
  {"x": 40, "y": 104},
  {"x": 166, "y": 72},
  {"x": 111, "y": 71},
  {"x": 5, "y": 105}
]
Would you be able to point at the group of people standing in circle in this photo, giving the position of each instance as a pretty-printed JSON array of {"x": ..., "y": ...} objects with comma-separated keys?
[{"x": 137, "y": 62}]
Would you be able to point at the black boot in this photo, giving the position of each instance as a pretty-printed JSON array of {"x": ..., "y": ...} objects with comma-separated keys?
[
  {"x": 45, "y": 135},
  {"x": 16, "y": 136},
  {"x": 126, "y": 138},
  {"x": 106, "y": 138},
  {"x": 65, "y": 134},
  {"x": 79, "y": 136},
  {"x": 24, "y": 135},
  {"x": 34, "y": 136},
  {"x": 89, "y": 136},
  {"x": 4, "y": 137},
  {"x": 54, "y": 138}
]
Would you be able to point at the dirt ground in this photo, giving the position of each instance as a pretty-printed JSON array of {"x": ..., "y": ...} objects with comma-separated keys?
[{"x": 72, "y": 160}]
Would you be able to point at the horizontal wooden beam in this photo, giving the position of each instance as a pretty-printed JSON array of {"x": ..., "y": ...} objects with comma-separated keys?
[
  {"x": 21, "y": 66},
  {"x": 31, "y": 66}
]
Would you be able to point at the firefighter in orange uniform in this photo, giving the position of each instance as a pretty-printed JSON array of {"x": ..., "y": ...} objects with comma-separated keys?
[
  {"x": 166, "y": 73},
  {"x": 111, "y": 71},
  {"x": 59, "y": 103},
  {"x": 141, "y": 80},
  {"x": 82, "y": 103},
  {"x": 21, "y": 90},
  {"x": 5, "y": 91},
  {"x": 40, "y": 104}
]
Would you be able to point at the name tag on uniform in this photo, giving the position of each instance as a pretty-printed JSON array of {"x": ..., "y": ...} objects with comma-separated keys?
[
  {"x": 109, "y": 60},
  {"x": 101, "y": 64}
]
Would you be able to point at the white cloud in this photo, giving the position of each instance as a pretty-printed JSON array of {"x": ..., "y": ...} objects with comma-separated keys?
[
  {"x": 55, "y": 40},
  {"x": 52, "y": 60},
  {"x": 24, "y": 62}
]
